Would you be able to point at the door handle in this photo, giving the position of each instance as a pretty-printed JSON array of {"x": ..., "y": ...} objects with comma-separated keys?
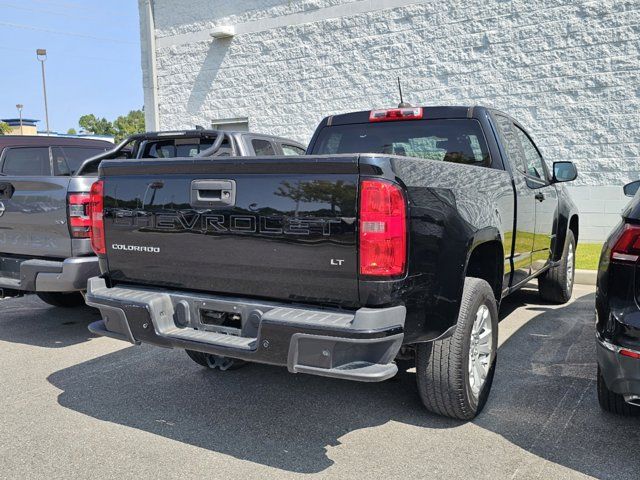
[
  {"x": 540, "y": 196},
  {"x": 6, "y": 190},
  {"x": 213, "y": 193}
]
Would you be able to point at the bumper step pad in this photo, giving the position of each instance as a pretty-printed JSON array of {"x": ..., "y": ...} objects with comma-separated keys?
[{"x": 212, "y": 338}]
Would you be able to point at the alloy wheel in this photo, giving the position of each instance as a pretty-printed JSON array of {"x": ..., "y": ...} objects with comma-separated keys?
[
  {"x": 570, "y": 266},
  {"x": 480, "y": 348}
]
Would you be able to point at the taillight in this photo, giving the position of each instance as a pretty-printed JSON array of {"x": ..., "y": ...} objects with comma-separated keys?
[
  {"x": 96, "y": 210},
  {"x": 629, "y": 353},
  {"x": 412, "y": 113},
  {"x": 627, "y": 247},
  {"x": 79, "y": 221},
  {"x": 383, "y": 229}
]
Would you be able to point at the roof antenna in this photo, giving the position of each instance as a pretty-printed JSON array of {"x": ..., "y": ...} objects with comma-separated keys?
[{"x": 402, "y": 103}]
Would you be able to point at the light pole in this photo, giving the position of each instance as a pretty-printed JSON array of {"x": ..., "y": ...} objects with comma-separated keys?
[
  {"x": 41, "y": 55},
  {"x": 19, "y": 106}
]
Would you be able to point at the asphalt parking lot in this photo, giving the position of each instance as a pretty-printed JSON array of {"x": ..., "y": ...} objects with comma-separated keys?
[{"x": 77, "y": 406}]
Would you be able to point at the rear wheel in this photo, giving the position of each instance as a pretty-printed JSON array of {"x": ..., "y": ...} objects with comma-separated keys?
[
  {"x": 215, "y": 361},
  {"x": 59, "y": 299},
  {"x": 613, "y": 402},
  {"x": 455, "y": 374},
  {"x": 556, "y": 284}
]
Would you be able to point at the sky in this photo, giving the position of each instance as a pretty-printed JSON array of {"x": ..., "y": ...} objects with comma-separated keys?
[{"x": 92, "y": 66}]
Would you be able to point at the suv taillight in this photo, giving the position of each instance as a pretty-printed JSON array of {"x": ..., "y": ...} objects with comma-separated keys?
[
  {"x": 383, "y": 229},
  {"x": 96, "y": 210},
  {"x": 627, "y": 247},
  {"x": 79, "y": 221}
]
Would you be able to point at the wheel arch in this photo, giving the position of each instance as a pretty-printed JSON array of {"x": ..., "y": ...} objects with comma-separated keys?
[
  {"x": 485, "y": 260},
  {"x": 574, "y": 226}
]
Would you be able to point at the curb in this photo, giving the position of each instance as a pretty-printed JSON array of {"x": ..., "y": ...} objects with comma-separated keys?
[{"x": 586, "y": 277}]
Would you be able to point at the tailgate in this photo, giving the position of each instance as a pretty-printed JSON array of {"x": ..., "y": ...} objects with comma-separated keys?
[
  {"x": 279, "y": 228},
  {"x": 33, "y": 216}
]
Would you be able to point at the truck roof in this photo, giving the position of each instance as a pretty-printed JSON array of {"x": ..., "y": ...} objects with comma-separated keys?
[
  {"x": 428, "y": 112},
  {"x": 45, "y": 141}
]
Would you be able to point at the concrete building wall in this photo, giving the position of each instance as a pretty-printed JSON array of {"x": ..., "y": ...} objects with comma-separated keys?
[{"x": 568, "y": 70}]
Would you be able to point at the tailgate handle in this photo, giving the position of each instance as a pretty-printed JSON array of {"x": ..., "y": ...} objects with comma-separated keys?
[
  {"x": 6, "y": 190},
  {"x": 213, "y": 193}
]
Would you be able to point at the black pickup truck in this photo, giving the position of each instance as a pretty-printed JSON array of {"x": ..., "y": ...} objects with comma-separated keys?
[{"x": 394, "y": 239}]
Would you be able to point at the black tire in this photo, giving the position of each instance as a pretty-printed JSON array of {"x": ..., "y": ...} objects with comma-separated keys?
[
  {"x": 65, "y": 300},
  {"x": 556, "y": 284},
  {"x": 214, "y": 362},
  {"x": 442, "y": 367},
  {"x": 613, "y": 402}
]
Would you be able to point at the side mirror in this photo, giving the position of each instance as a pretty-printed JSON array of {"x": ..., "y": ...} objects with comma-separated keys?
[
  {"x": 564, "y": 172},
  {"x": 630, "y": 189}
]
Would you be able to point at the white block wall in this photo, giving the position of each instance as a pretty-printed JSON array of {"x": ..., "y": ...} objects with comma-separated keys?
[{"x": 568, "y": 70}]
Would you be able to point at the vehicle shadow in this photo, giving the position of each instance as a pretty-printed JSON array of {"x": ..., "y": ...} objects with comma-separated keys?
[
  {"x": 543, "y": 401},
  {"x": 30, "y": 321}
]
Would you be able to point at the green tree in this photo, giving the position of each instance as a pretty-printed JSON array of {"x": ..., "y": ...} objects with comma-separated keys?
[
  {"x": 95, "y": 125},
  {"x": 126, "y": 125},
  {"x": 4, "y": 128},
  {"x": 72, "y": 131}
]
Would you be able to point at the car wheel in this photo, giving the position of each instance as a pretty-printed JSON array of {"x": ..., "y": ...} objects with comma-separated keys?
[
  {"x": 454, "y": 375},
  {"x": 65, "y": 300},
  {"x": 215, "y": 361},
  {"x": 556, "y": 284},
  {"x": 613, "y": 402}
]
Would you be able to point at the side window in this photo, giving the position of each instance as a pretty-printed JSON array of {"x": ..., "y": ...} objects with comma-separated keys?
[
  {"x": 292, "y": 150},
  {"x": 533, "y": 159},
  {"x": 60, "y": 166},
  {"x": 262, "y": 147},
  {"x": 67, "y": 160},
  {"x": 32, "y": 161},
  {"x": 511, "y": 143}
]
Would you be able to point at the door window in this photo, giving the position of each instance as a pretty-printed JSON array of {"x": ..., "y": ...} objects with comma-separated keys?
[
  {"x": 67, "y": 160},
  {"x": 262, "y": 147},
  {"x": 533, "y": 159},
  {"x": 512, "y": 146},
  {"x": 292, "y": 150},
  {"x": 30, "y": 161}
]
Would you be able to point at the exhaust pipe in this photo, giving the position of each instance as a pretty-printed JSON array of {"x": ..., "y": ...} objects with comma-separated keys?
[
  {"x": 7, "y": 293},
  {"x": 632, "y": 400}
]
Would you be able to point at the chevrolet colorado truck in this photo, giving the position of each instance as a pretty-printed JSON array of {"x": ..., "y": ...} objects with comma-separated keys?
[
  {"x": 44, "y": 190},
  {"x": 393, "y": 239}
]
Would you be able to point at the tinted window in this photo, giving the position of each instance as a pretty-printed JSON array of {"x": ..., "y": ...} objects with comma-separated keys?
[
  {"x": 511, "y": 143},
  {"x": 457, "y": 141},
  {"x": 292, "y": 150},
  {"x": 163, "y": 149},
  {"x": 27, "y": 161},
  {"x": 67, "y": 160},
  {"x": 533, "y": 159},
  {"x": 176, "y": 148},
  {"x": 262, "y": 147}
]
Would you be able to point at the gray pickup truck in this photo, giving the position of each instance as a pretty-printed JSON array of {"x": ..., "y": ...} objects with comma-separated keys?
[{"x": 44, "y": 191}]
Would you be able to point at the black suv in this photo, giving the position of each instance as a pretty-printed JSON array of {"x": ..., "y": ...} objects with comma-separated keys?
[{"x": 618, "y": 313}]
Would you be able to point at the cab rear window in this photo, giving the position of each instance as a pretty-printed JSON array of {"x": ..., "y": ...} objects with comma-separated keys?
[
  {"x": 190, "y": 147},
  {"x": 455, "y": 140}
]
